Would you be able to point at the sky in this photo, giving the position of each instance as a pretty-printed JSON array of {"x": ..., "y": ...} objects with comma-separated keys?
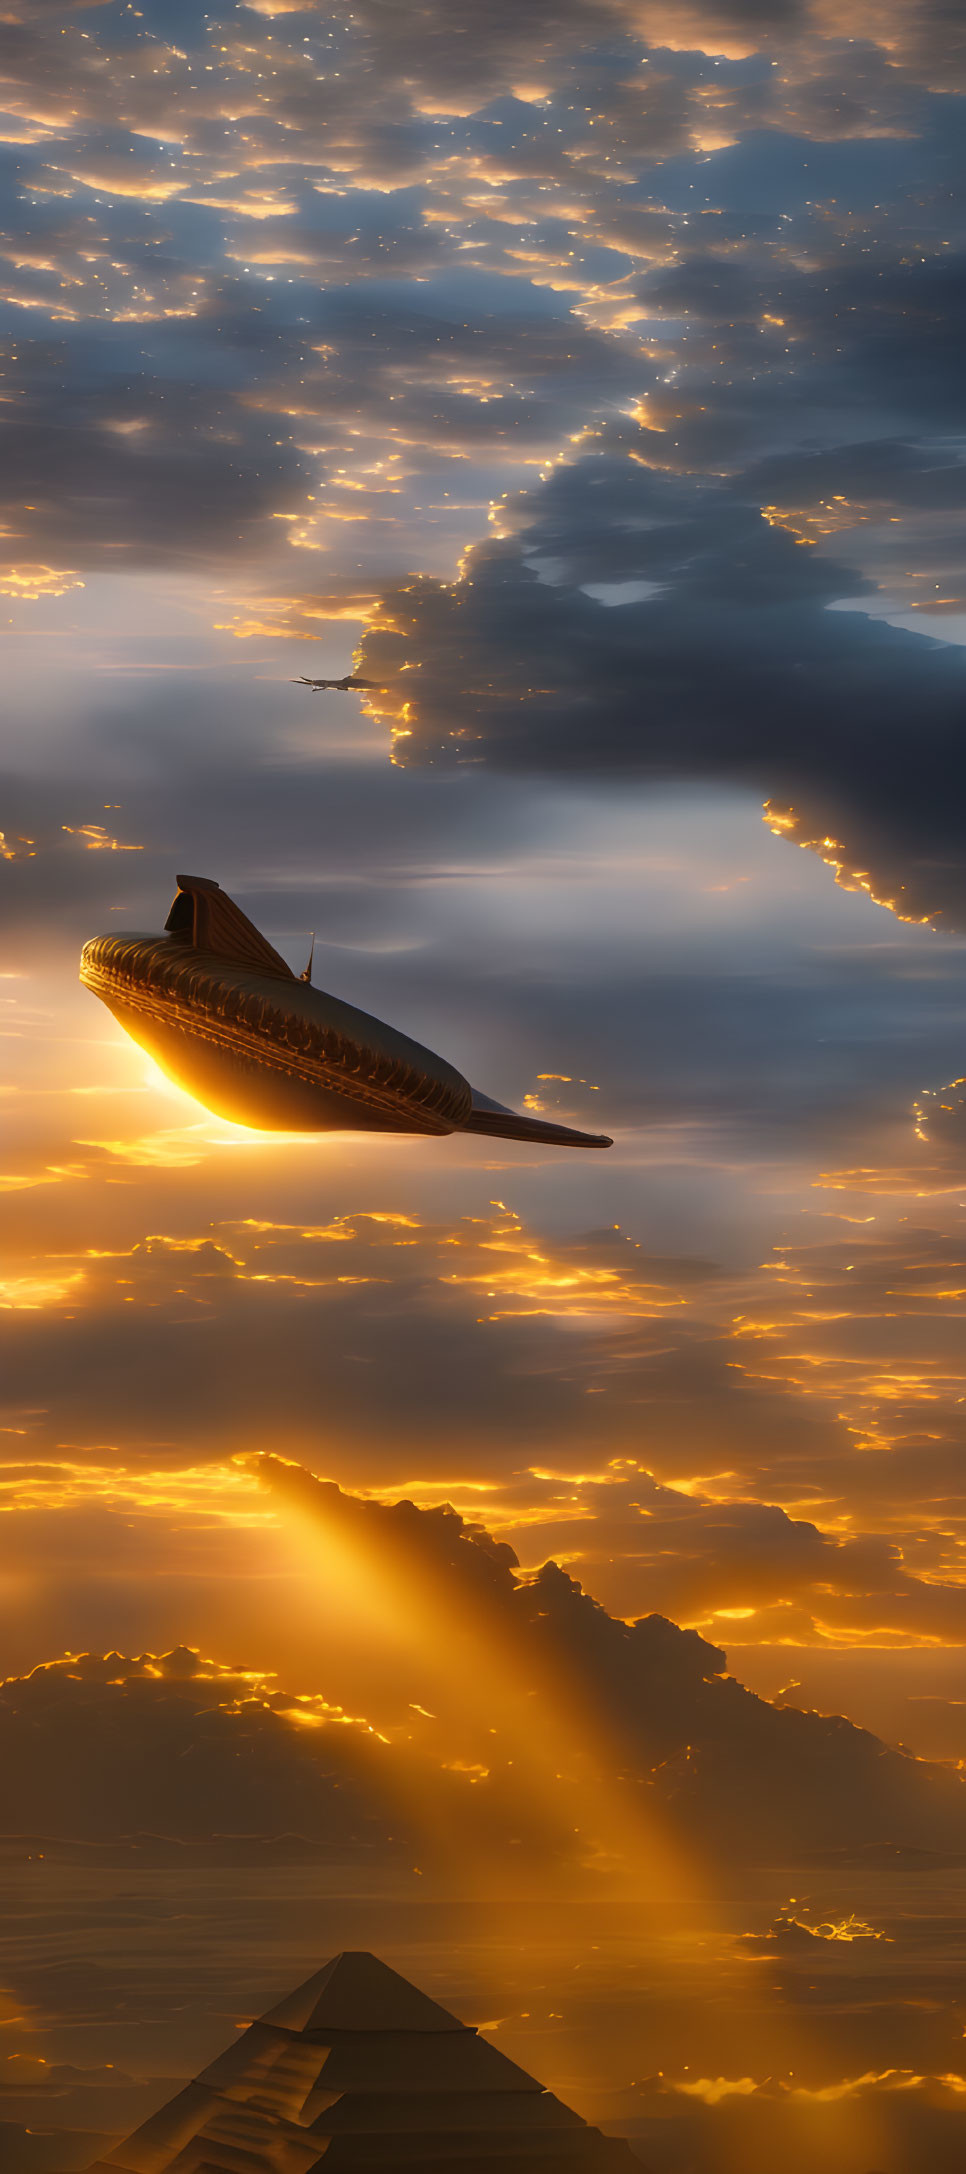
[{"x": 589, "y": 376}]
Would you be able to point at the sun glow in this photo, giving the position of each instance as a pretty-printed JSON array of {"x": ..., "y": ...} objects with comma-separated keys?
[{"x": 554, "y": 1756}]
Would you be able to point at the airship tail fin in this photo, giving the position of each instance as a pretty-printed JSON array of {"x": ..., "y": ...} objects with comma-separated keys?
[
  {"x": 205, "y": 917},
  {"x": 499, "y": 1123}
]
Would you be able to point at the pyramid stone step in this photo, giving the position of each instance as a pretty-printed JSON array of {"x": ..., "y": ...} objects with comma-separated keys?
[
  {"x": 255, "y": 2067},
  {"x": 580, "y": 2151},
  {"x": 359, "y": 2112},
  {"x": 418, "y": 2061}
]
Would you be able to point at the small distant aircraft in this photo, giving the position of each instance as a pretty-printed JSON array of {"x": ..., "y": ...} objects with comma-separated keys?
[{"x": 341, "y": 685}]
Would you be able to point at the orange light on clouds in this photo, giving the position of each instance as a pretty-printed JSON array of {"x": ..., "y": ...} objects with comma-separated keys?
[
  {"x": 31, "y": 583},
  {"x": 785, "y": 822}
]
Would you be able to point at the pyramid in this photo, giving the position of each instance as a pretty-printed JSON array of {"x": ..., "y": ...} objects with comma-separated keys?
[{"x": 357, "y": 2068}]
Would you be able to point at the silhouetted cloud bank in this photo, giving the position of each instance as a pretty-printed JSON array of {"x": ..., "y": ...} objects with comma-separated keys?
[{"x": 190, "y": 1749}]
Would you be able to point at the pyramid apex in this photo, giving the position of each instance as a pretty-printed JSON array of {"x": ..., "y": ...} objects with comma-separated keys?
[{"x": 357, "y": 1992}]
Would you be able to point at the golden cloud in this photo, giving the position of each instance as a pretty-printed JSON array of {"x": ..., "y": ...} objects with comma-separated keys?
[{"x": 32, "y": 583}]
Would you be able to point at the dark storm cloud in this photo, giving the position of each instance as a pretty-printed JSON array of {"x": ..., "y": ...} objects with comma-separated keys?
[
  {"x": 735, "y": 669},
  {"x": 877, "y": 474},
  {"x": 870, "y": 338},
  {"x": 141, "y": 474}
]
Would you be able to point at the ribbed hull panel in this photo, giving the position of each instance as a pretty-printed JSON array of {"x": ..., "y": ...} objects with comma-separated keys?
[{"x": 268, "y": 1052}]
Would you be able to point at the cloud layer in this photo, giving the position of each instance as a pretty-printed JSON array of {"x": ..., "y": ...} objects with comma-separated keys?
[{"x": 778, "y": 1450}]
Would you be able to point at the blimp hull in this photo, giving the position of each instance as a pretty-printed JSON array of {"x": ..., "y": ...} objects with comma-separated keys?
[
  {"x": 276, "y": 1055},
  {"x": 224, "y": 1016}
]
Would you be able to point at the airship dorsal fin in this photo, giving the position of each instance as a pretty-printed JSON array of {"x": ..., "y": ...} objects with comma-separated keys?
[{"x": 205, "y": 917}]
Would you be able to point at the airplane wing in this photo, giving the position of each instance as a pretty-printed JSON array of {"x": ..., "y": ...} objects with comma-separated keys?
[{"x": 340, "y": 686}]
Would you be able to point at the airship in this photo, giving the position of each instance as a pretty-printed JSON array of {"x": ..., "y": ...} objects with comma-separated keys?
[{"x": 225, "y": 1018}]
